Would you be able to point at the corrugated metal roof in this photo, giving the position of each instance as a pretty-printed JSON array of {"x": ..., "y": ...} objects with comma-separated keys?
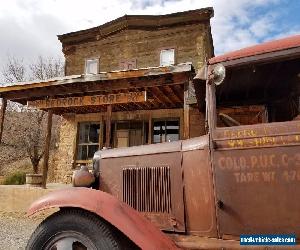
[
  {"x": 267, "y": 47},
  {"x": 103, "y": 76},
  {"x": 55, "y": 79}
]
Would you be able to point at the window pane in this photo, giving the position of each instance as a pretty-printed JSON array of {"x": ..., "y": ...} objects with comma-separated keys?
[
  {"x": 92, "y": 66},
  {"x": 159, "y": 131},
  {"x": 122, "y": 125},
  {"x": 146, "y": 132},
  {"x": 167, "y": 57},
  {"x": 94, "y": 133},
  {"x": 92, "y": 149},
  {"x": 82, "y": 152},
  {"x": 172, "y": 131},
  {"x": 166, "y": 131},
  {"x": 136, "y": 125},
  {"x": 83, "y": 132},
  {"x": 88, "y": 139}
]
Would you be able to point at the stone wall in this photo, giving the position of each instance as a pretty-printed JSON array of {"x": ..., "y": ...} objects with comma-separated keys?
[
  {"x": 63, "y": 159},
  {"x": 191, "y": 43},
  {"x": 197, "y": 123}
]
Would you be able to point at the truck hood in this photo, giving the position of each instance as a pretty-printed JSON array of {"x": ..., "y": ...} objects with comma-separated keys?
[{"x": 159, "y": 148}]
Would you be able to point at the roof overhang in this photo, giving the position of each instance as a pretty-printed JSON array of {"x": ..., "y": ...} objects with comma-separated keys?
[
  {"x": 163, "y": 84},
  {"x": 269, "y": 51},
  {"x": 142, "y": 22}
]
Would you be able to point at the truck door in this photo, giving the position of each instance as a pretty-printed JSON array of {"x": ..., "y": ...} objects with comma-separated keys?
[
  {"x": 257, "y": 171},
  {"x": 257, "y": 166}
]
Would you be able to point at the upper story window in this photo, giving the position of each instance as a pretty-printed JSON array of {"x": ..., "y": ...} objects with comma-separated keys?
[
  {"x": 127, "y": 64},
  {"x": 92, "y": 66},
  {"x": 167, "y": 57}
]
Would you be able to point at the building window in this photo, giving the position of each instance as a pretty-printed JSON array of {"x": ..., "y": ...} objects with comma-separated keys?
[
  {"x": 127, "y": 64},
  {"x": 166, "y": 131},
  {"x": 130, "y": 133},
  {"x": 88, "y": 140},
  {"x": 92, "y": 66},
  {"x": 167, "y": 57}
]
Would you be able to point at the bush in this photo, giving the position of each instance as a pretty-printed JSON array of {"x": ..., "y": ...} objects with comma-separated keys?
[{"x": 17, "y": 178}]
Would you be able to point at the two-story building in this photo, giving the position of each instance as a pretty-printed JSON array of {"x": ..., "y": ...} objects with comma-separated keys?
[{"x": 128, "y": 82}]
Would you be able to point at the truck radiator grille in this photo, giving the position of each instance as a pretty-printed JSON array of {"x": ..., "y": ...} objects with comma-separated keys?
[{"x": 147, "y": 189}]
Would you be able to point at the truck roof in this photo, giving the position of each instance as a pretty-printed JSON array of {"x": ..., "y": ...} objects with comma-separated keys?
[{"x": 263, "y": 48}]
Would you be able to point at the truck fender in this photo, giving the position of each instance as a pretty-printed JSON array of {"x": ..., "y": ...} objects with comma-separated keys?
[{"x": 129, "y": 221}]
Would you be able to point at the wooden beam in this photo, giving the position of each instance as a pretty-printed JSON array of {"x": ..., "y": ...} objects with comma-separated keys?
[
  {"x": 108, "y": 125},
  {"x": 101, "y": 132},
  {"x": 153, "y": 104},
  {"x": 47, "y": 148},
  {"x": 96, "y": 100},
  {"x": 162, "y": 95},
  {"x": 179, "y": 91},
  {"x": 139, "y": 105},
  {"x": 150, "y": 129},
  {"x": 88, "y": 87},
  {"x": 163, "y": 72},
  {"x": 151, "y": 93},
  {"x": 186, "y": 113},
  {"x": 2, "y": 115},
  {"x": 173, "y": 94}
]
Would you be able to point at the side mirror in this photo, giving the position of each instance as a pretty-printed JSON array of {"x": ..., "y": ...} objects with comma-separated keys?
[{"x": 218, "y": 74}]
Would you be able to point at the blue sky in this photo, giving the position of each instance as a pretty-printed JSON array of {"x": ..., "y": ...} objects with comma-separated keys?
[
  {"x": 284, "y": 16},
  {"x": 29, "y": 27}
]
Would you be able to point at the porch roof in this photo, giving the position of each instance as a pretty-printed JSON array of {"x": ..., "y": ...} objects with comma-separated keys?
[
  {"x": 285, "y": 47},
  {"x": 164, "y": 87}
]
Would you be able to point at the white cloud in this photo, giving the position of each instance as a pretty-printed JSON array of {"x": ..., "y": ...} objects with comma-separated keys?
[{"x": 29, "y": 28}]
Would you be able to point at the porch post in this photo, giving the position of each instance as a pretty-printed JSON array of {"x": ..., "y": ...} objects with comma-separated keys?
[
  {"x": 101, "y": 130},
  {"x": 108, "y": 125},
  {"x": 186, "y": 113},
  {"x": 47, "y": 148},
  {"x": 150, "y": 129},
  {"x": 2, "y": 114}
]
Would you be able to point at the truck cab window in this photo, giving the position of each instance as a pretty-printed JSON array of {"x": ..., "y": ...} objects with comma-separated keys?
[{"x": 259, "y": 94}]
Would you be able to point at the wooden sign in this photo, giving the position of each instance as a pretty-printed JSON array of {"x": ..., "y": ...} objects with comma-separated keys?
[{"x": 95, "y": 100}]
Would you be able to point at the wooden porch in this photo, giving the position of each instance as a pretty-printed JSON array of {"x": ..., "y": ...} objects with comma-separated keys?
[{"x": 108, "y": 94}]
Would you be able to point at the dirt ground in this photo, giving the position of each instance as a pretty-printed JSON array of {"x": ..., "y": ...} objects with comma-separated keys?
[{"x": 15, "y": 230}]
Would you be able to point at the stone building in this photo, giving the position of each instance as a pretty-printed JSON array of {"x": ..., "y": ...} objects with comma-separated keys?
[{"x": 128, "y": 82}]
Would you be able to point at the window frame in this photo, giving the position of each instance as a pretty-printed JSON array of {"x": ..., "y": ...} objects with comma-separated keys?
[
  {"x": 92, "y": 59},
  {"x": 160, "y": 56},
  {"x": 165, "y": 120},
  {"x": 86, "y": 143}
]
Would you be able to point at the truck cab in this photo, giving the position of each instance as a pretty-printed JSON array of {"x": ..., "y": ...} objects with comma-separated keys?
[{"x": 242, "y": 177}]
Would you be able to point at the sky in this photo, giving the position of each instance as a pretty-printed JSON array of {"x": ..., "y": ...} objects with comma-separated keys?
[{"x": 29, "y": 27}]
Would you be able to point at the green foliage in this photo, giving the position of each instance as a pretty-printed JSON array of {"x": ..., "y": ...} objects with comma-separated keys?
[{"x": 17, "y": 178}]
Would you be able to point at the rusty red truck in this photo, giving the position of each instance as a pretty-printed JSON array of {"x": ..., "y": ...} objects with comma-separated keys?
[{"x": 242, "y": 177}]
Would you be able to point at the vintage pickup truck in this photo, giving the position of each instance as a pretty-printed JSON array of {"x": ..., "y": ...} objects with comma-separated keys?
[{"x": 242, "y": 177}]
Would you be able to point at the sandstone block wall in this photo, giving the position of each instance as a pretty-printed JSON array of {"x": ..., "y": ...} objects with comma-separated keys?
[
  {"x": 63, "y": 159},
  {"x": 191, "y": 43},
  {"x": 197, "y": 123}
]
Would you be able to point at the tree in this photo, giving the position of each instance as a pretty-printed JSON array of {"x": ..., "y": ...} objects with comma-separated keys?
[
  {"x": 46, "y": 68},
  {"x": 14, "y": 70},
  {"x": 29, "y": 132}
]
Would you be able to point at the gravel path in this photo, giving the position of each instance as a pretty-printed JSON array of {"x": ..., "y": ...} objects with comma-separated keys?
[{"x": 15, "y": 230}]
